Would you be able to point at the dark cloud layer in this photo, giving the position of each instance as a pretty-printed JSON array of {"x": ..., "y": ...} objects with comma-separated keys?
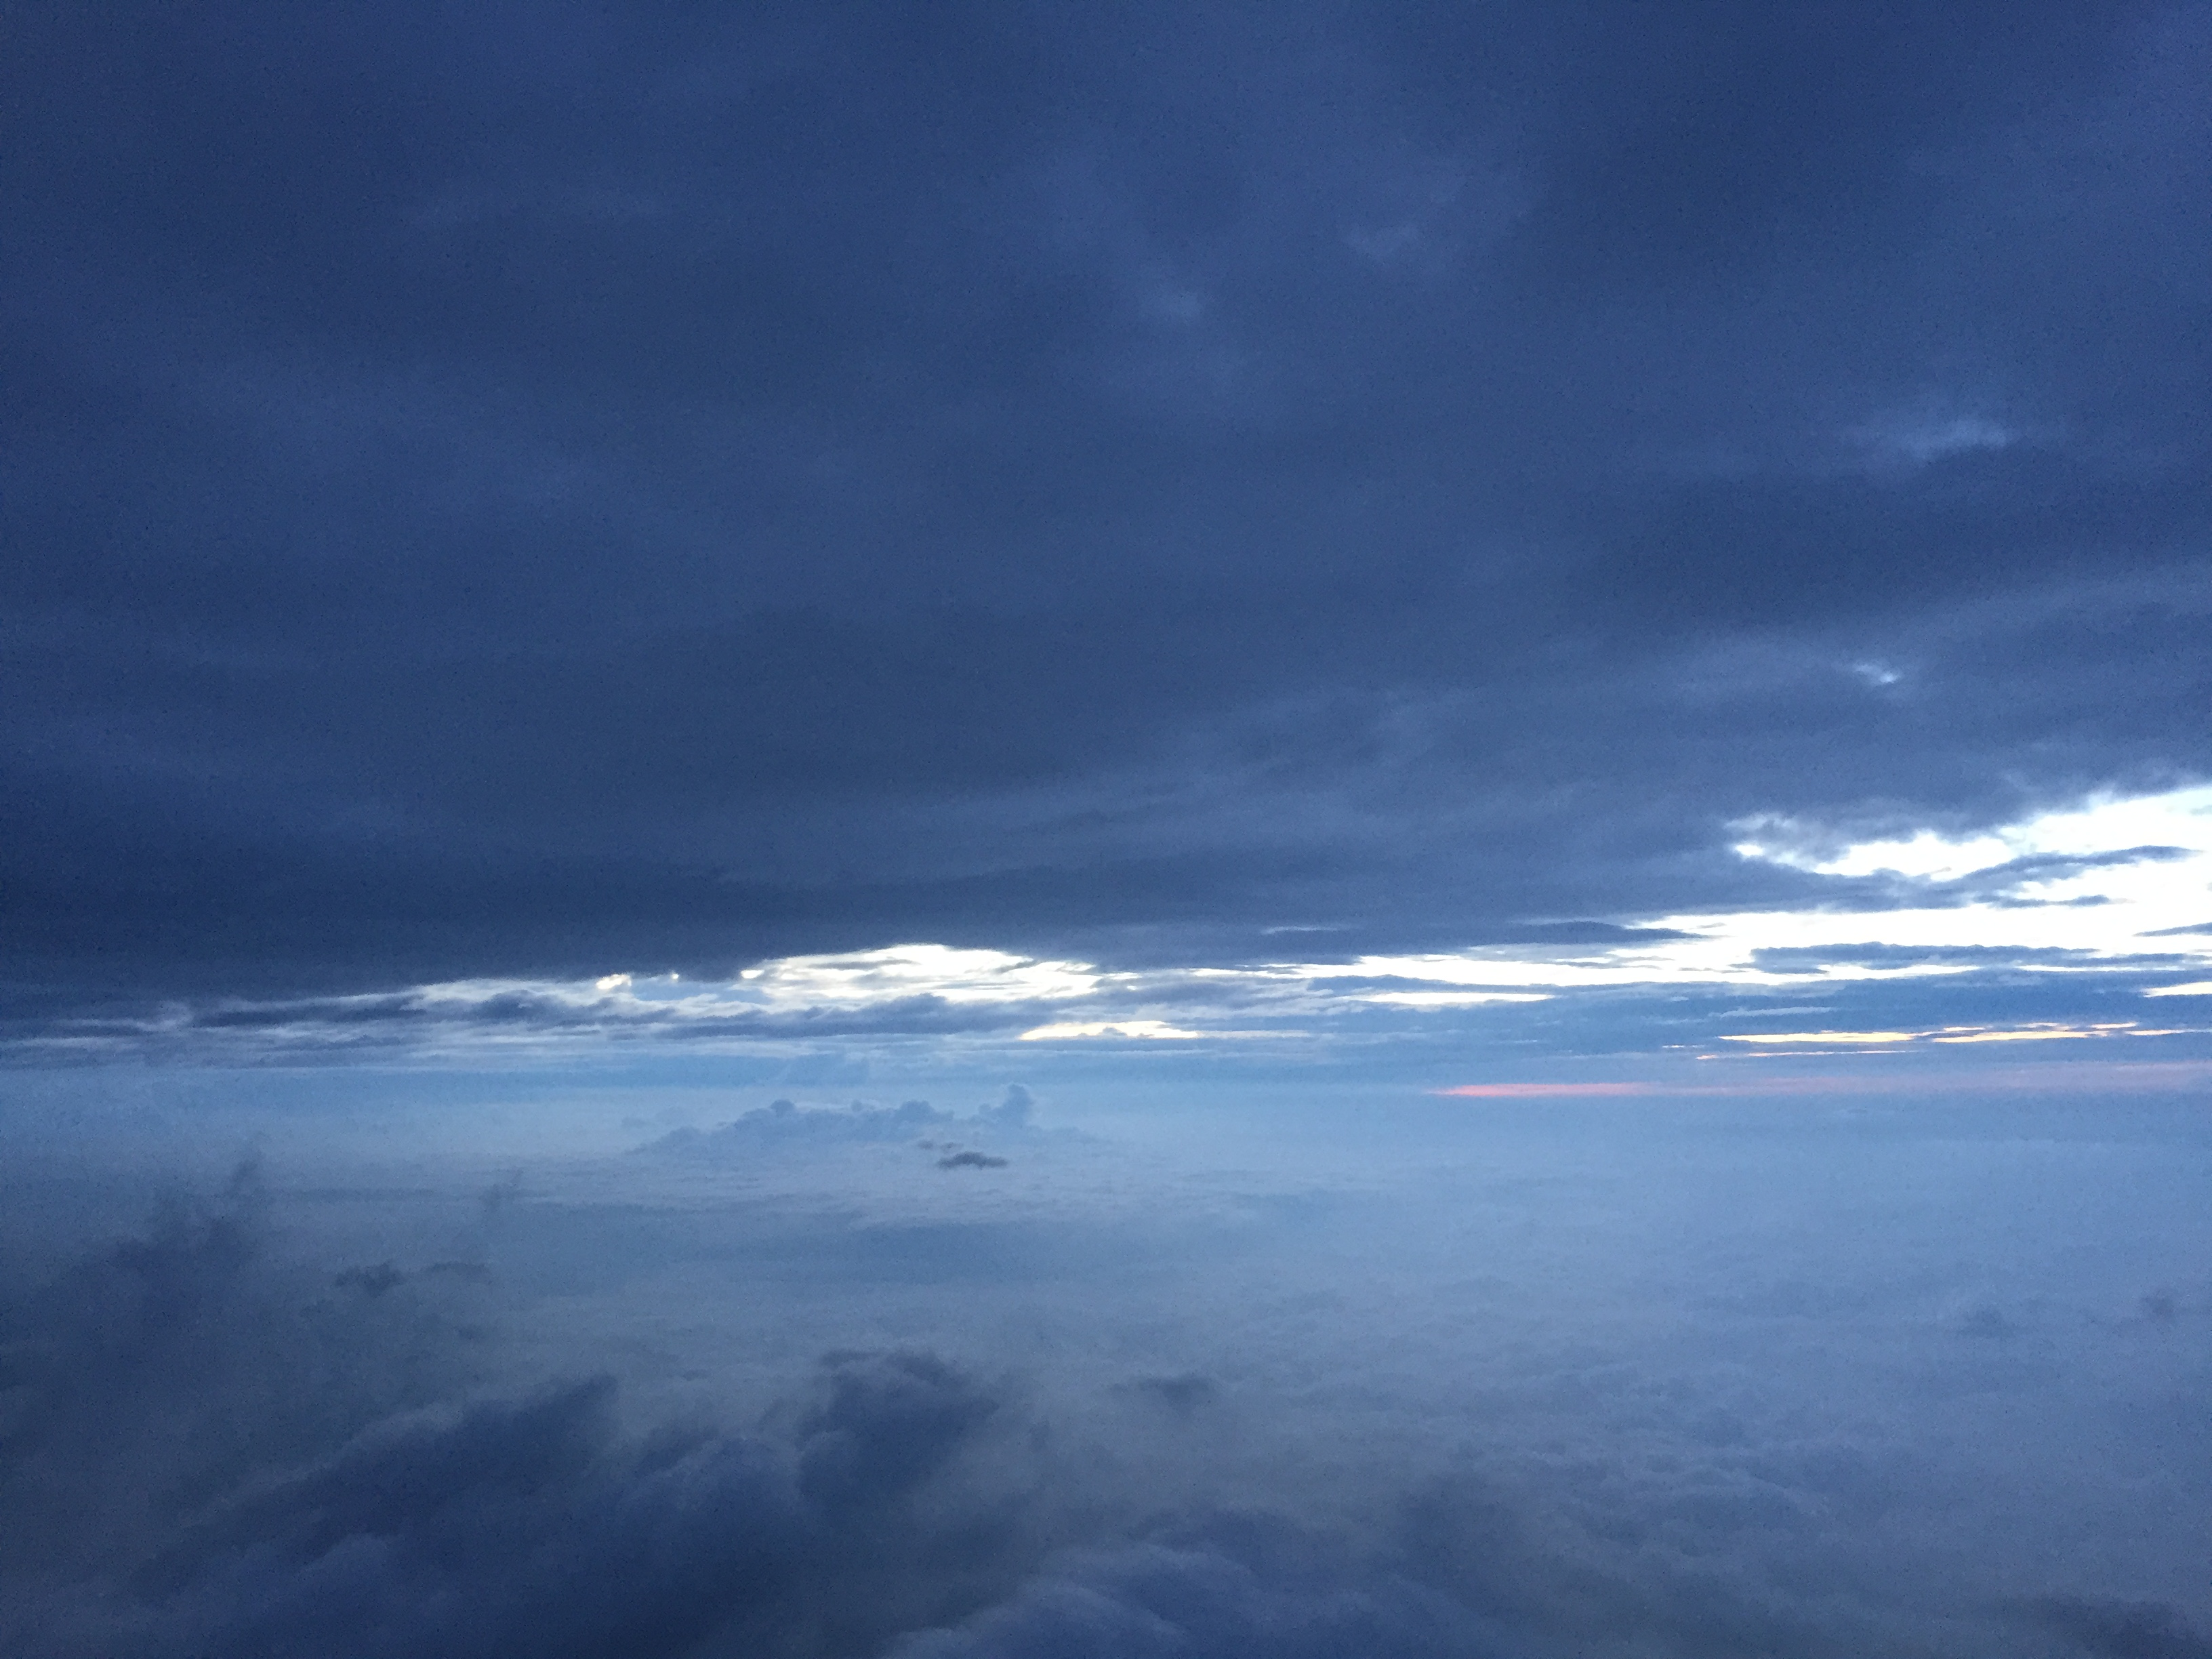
[
  {"x": 387, "y": 1510},
  {"x": 543, "y": 488}
]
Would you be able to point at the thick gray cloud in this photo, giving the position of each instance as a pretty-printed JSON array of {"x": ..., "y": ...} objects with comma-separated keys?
[{"x": 559, "y": 488}]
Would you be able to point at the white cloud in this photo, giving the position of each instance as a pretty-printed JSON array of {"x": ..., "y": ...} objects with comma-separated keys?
[
  {"x": 1923, "y": 854},
  {"x": 2103, "y": 911},
  {"x": 862, "y": 978},
  {"x": 2148, "y": 892}
]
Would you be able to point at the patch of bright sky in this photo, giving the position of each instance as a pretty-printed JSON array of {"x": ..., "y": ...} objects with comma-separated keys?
[
  {"x": 2105, "y": 914},
  {"x": 863, "y": 977},
  {"x": 2102, "y": 912},
  {"x": 2181, "y": 819}
]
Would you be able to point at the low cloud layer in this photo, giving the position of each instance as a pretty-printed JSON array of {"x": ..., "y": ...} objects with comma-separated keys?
[{"x": 1417, "y": 1392}]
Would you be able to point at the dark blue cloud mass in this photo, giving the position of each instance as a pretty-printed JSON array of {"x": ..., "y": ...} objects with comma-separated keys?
[{"x": 529, "y": 490}]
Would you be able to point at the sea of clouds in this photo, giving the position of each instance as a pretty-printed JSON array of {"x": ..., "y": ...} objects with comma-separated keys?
[{"x": 820, "y": 1376}]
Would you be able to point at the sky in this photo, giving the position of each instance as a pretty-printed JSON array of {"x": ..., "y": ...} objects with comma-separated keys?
[{"x": 984, "y": 829}]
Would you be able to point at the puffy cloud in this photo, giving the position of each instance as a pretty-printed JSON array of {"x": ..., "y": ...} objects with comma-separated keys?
[
  {"x": 198, "y": 1460},
  {"x": 249, "y": 1429}
]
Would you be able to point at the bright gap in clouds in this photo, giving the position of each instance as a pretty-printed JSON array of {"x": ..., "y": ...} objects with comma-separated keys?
[
  {"x": 2100, "y": 881},
  {"x": 2178, "y": 820},
  {"x": 860, "y": 977},
  {"x": 2103, "y": 882},
  {"x": 1942, "y": 941},
  {"x": 2084, "y": 890}
]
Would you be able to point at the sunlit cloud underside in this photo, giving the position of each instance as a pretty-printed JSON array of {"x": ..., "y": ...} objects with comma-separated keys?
[{"x": 2114, "y": 896}]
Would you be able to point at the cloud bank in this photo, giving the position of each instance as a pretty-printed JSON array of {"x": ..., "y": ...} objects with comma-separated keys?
[{"x": 1130, "y": 1406}]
